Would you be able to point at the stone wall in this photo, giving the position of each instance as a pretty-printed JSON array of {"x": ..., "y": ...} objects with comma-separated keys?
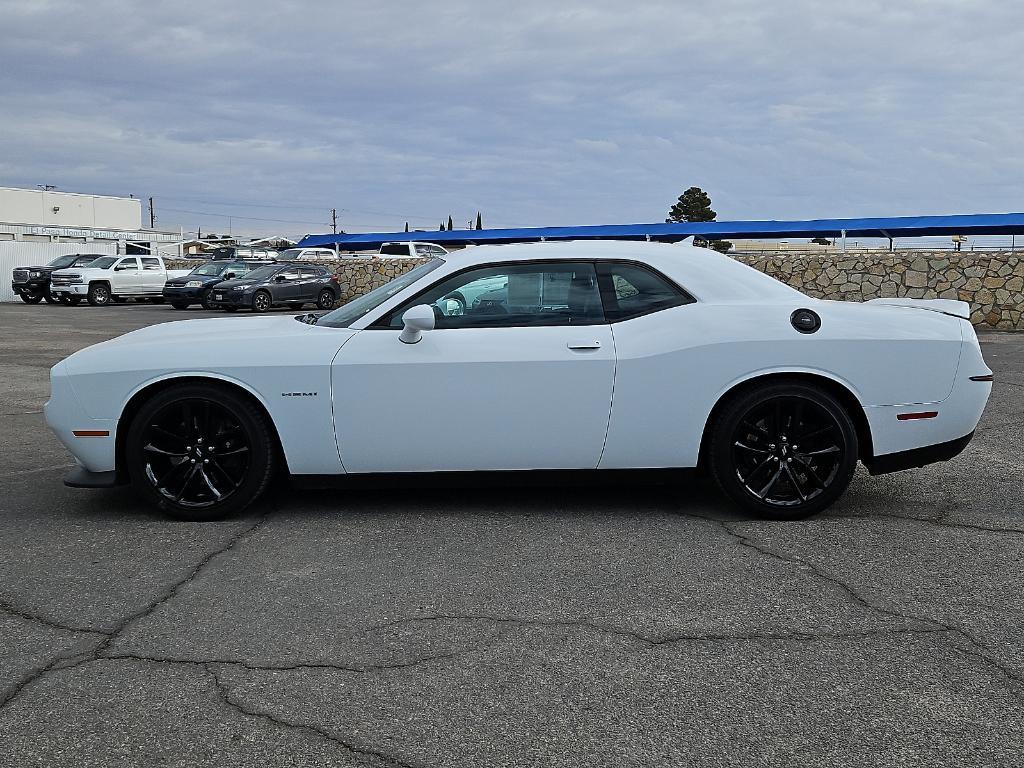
[{"x": 991, "y": 282}]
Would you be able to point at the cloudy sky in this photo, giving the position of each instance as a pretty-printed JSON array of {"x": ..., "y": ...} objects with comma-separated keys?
[{"x": 533, "y": 112}]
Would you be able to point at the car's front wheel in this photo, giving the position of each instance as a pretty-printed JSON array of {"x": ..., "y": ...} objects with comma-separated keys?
[
  {"x": 200, "y": 451},
  {"x": 50, "y": 298},
  {"x": 261, "y": 301},
  {"x": 786, "y": 450},
  {"x": 99, "y": 295},
  {"x": 31, "y": 298}
]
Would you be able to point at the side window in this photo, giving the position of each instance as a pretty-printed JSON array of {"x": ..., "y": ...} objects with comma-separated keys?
[
  {"x": 150, "y": 264},
  {"x": 512, "y": 295},
  {"x": 309, "y": 272},
  {"x": 239, "y": 268},
  {"x": 127, "y": 265},
  {"x": 288, "y": 274},
  {"x": 630, "y": 290}
]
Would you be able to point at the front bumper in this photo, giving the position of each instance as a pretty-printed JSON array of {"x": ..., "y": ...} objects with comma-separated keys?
[
  {"x": 91, "y": 441},
  {"x": 75, "y": 289},
  {"x": 181, "y": 293},
  {"x": 80, "y": 477},
  {"x": 230, "y": 298},
  {"x": 31, "y": 288}
]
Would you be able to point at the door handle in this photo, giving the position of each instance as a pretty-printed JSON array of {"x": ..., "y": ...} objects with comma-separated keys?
[{"x": 583, "y": 345}]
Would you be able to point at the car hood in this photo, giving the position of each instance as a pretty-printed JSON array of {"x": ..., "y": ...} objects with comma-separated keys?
[{"x": 208, "y": 344}]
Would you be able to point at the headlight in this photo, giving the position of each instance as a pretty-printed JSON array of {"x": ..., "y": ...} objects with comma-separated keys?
[
  {"x": 35, "y": 274},
  {"x": 193, "y": 284}
]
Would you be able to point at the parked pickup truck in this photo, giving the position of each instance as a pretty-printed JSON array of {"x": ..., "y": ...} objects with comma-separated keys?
[
  {"x": 33, "y": 283},
  {"x": 411, "y": 249},
  {"x": 113, "y": 278}
]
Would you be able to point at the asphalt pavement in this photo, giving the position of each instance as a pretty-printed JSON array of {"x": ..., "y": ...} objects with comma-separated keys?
[{"x": 623, "y": 626}]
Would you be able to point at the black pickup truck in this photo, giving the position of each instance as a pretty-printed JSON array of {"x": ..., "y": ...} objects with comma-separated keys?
[{"x": 33, "y": 283}]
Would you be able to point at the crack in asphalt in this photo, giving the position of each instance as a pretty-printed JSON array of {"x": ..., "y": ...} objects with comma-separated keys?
[
  {"x": 976, "y": 648},
  {"x": 940, "y": 522},
  {"x": 8, "y": 607},
  {"x": 224, "y": 692},
  {"x": 78, "y": 657},
  {"x": 293, "y": 667}
]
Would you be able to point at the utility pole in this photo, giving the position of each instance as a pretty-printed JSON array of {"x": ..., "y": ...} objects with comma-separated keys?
[
  {"x": 334, "y": 220},
  {"x": 152, "y": 215}
]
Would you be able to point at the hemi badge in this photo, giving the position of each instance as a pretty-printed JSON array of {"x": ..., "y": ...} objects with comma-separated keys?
[
  {"x": 921, "y": 415},
  {"x": 90, "y": 433}
]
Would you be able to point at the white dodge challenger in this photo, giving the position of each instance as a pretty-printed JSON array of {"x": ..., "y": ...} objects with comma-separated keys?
[{"x": 548, "y": 356}]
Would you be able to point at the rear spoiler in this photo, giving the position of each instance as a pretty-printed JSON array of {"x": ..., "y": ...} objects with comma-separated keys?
[{"x": 946, "y": 306}]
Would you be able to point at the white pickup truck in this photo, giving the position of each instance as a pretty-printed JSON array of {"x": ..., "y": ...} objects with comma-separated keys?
[
  {"x": 113, "y": 278},
  {"x": 407, "y": 249}
]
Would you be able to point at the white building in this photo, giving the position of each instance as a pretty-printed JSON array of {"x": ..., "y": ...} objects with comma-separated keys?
[{"x": 49, "y": 216}]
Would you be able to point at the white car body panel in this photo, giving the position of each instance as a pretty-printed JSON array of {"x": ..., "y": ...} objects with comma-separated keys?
[
  {"x": 519, "y": 398},
  {"x": 474, "y": 399}
]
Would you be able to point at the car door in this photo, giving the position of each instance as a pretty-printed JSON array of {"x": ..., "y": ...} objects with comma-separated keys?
[
  {"x": 127, "y": 277},
  {"x": 520, "y": 381},
  {"x": 284, "y": 286},
  {"x": 153, "y": 275},
  {"x": 310, "y": 279}
]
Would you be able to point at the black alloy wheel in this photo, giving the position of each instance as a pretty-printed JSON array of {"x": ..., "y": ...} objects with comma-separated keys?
[
  {"x": 326, "y": 299},
  {"x": 200, "y": 452},
  {"x": 204, "y": 300},
  {"x": 99, "y": 295},
  {"x": 31, "y": 298},
  {"x": 261, "y": 301},
  {"x": 784, "y": 451}
]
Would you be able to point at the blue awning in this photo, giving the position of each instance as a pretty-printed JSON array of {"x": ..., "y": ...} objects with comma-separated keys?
[{"x": 897, "y": 226}]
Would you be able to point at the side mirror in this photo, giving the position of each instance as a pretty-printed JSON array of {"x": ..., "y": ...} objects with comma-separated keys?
[{"x": 416, "y": 320}]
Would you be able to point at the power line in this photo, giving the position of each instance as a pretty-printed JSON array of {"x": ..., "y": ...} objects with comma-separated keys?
[{"x": 246, "y": 218}]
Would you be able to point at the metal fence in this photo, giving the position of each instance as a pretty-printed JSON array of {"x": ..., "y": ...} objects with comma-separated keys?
[{"x": 17, "y": 253}]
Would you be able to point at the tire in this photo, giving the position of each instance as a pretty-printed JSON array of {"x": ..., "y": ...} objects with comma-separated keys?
[
  {"x": 50, "y": 298},
  {"x": 326, "y": 299},
  {"x": 31, "y": 298},
  {"x": 261, "y": 301},
  {"x": 169, "y": 458},
  {"x": 204, "y": 300},
  {"x": 180, "y": 304},
  {"x": 99, "y": 294},
  {"x": 755, "y": 451}
]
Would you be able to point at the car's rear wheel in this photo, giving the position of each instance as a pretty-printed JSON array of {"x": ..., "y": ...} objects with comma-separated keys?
[
  {"x": 261, "y": 301},
  {"x": 31, "y": 298},
  {"x": 200, "y": 452},
  {"x": 99, "y": 295},
  {"x": 326, "y": 299},
  {"x": 784, "y": 451}
]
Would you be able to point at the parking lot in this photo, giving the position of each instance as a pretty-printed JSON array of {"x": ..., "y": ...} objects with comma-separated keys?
[{"x": 623, "y": 626}]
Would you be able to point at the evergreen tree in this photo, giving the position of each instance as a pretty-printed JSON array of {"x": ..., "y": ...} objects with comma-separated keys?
[
  {"x": 451, "y": 224},
  {"x": 407, "y": 226},
  {"x": 479, "y": 221},
  {"x": 693, "y": 205}
]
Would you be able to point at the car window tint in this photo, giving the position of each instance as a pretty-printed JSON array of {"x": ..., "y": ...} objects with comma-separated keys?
[
  {"x": 150, "y": 263},
  {"x": 290, "y": 274},
  {"x": 630, "y": 290},
  {"x": 513, "y": 295}
]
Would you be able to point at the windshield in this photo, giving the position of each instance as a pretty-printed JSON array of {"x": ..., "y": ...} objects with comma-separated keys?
[
  {"x": 103, "y": 262},
  {"x": 394, "y": 249},
  {"x": 262, "y": 273},
  {"x": 213, "y": 270},
  {"x": 290, "y": 253},
  {"x": 345, "y": 315}
]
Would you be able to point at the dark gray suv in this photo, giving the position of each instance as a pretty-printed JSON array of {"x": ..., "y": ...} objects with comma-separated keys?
[{"x": 273, "y": 285}]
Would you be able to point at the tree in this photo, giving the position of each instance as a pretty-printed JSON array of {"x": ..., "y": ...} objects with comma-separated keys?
[
  {"x": 693, "y": 205},
  {"x": 821, "y": 241},
  {"x": 442, "y": 227},
  {"x": 451, "y": 224},
  {"x": 479, "y": 221},
  {"x": 722, "y": 246},
  {"x": 407, "y": 226}
]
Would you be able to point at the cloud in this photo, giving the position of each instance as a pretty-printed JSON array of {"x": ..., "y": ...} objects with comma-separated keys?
[{"x": 534, "y": 113}]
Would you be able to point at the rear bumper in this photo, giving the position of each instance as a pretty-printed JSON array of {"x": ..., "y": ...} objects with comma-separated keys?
[{"x": 917, "y": 457}]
